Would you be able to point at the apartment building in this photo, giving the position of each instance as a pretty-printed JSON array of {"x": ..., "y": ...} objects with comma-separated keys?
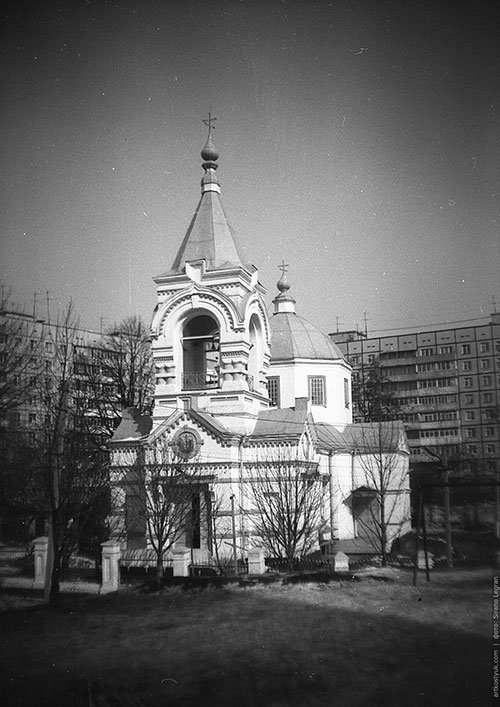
[
  {"x": 32, "y": 352},
  {"x": 445, "y": 383}
]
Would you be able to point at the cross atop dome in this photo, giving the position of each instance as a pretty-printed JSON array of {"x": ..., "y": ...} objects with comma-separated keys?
[
  {"x": 209, "y": 153},
  {"x": 283, "y": 302}
]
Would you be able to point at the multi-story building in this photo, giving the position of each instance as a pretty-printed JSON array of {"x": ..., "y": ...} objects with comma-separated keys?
[
  {"x": 445, "y": 384},
  {"x": 32, "y": 353}
]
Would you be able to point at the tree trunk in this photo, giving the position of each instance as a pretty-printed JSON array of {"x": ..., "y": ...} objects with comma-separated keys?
[
  {"x": 383, "y": 532},
  {"x": 159, "y": 565}
]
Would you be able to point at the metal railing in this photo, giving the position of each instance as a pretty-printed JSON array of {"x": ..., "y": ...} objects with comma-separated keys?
[{"x": 199, "y": 381}]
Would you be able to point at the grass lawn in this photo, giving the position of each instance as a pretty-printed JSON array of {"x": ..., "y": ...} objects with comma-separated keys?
[{"x": 351, "y": 644}]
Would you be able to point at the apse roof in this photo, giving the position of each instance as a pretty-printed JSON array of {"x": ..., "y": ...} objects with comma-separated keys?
[{"x": 369, "y": 437}]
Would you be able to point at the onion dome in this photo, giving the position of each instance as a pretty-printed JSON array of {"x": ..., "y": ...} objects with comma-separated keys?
[{"x": 209, "y": 153}]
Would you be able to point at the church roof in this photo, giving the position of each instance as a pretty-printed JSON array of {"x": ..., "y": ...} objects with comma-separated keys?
[
  {"x": 295, "y": 337},
  {"x": 133, "y": 425},
  {"x": 280, "y": 423},
  {"x": 367, "y": 437},
  {"x": 209, "y": 237}
]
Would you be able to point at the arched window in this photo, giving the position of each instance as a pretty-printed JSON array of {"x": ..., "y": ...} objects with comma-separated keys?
[
  {"x": 255, "y": 356},
  {"x": 201, "y": 356}
]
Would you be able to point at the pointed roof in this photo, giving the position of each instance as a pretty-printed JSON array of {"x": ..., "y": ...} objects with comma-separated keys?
[{"x": 209, "y": 236}]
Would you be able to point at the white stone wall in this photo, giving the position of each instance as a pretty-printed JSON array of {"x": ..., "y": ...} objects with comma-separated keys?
[{"x": 294, "y": 383}]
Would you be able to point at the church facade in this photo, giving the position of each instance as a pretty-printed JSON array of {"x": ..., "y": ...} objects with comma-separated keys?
[{"x": 251, "y": 430}]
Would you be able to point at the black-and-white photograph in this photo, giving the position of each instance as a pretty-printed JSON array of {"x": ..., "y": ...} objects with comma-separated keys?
[{"x": 249, "y": 353}]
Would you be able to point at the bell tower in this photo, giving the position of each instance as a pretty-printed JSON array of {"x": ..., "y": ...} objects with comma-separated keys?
[{"x": 211, "y": 339}]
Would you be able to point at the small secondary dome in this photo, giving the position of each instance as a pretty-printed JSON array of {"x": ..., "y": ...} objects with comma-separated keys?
[{"x": 294, "y": 337}]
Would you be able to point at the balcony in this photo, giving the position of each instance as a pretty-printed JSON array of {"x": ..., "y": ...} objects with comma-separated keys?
[{"x": 199, "y": 381}]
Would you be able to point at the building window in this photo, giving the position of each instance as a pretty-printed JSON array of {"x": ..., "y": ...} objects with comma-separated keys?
[
  {"x": 488, "y": 397},
  {"x": 466, "y": 365},
  {"x": 469, "y": 399},
  {"x": 485, "y": 363},
  {"x": 354, "y": 360},
  {"x": 32, "y": 418},
  {"x": 472, "y": 448},
  {"x": 490, "y": 449},
  {"x": 317, "y": 390},
  {"x": 427, "y": 352},
  {"x": 486, "y": 380},
  {"x": 49, "y": 347},
  {"x": 470, "y": 432},
  {"x": 489, "y": 414},
  {"x": 465, "y": 349},
  {"x": 489, "y": 432},
  {"x": 484, "y": 347},
  {"x": 370, "y": 358},
  {"x": 446, "y": 349},
  {"x": 467, "y": 382},
  {"x": 273, "y": 390},
  {"x": 347, "y": 397},
  {"x": 469, "y": 415}
]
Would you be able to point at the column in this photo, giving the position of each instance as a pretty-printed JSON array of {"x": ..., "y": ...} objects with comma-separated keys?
[
  {"x": 111, "y": 552},
  {"x": 256, "y": 561},
  {"x": 182, "y": 558},
  {"x": 41, "y": 548}
]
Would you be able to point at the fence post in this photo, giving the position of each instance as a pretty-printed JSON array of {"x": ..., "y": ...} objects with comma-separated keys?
[
  {"x": 340, "y": 562},
  {"x": 181, "y": 559},
  {"x": 41, "y": 550},
  {"x": 110, "y": 567},
  {"x": 256, "y": 561}
]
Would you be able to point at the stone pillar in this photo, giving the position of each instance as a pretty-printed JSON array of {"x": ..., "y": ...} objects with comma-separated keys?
[
  {"x": 340, "y": 562},
  {"x": 182, "y": 558},
  {"x": 421, "y": 560},
  {"x": 256, "y": 561},
  {"x": 41, "y": 550},
  {"x": 110, "y": 567}
]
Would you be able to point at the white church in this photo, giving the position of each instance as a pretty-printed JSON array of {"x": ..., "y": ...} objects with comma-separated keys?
[{"x": 245, "y": 402}]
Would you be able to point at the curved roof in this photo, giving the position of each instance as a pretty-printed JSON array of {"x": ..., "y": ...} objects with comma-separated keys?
[{"x": 295, "y": 337}]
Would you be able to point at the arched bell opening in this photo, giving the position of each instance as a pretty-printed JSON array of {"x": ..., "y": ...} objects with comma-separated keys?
[
  {"x": 255, "y": 356},
  {"x": 200, "y": 353}
]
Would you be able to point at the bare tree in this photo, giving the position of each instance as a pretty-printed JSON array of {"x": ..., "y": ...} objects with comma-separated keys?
[
  {"x": 20, "y": 343},
  {"x": 380, "y": 502},
  {"x": 287, "y": 492},
  {"x": 116, "y": 373},
  {"x": 70, "y": 466},
  {"x": 158, "y": 491},
  {"x": 372, "y": 399}
]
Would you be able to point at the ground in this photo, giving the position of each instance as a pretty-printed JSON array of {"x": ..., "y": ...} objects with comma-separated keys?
[{"x": 379, "y": 641}]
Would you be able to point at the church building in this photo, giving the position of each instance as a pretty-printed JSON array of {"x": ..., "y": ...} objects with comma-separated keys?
[{"x": 251, "y": 441}]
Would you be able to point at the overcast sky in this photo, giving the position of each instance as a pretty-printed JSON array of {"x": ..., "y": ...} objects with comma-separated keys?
[{"x": 359, "y": 141}]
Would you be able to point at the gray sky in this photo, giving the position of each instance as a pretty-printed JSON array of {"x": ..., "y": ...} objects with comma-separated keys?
[{"x": 359, "y": 141}]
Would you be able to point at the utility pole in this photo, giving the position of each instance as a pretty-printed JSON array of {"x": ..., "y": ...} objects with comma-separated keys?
[
  {"x": 235, "y": 556},
  {"x": 365, "y": 319},
  {"x": 447, "y": 518}
]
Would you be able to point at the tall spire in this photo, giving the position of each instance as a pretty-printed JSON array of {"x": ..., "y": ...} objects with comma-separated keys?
[{"x": 209, "y": 236}]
